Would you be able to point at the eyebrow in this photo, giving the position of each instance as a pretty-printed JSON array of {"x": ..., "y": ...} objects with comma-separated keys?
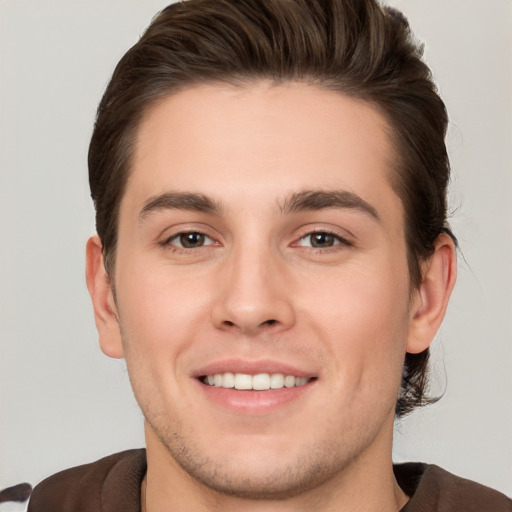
[
  {"x": 180, "y": 201},
  {"x": 322, "y": 199},
  {"x": 307, "y": 200}
]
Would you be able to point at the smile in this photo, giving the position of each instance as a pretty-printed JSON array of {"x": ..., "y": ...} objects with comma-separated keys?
[{"x": 259, "y": 382}]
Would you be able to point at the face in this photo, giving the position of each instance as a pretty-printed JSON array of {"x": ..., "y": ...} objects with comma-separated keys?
[{"x": 261, "y": 246}]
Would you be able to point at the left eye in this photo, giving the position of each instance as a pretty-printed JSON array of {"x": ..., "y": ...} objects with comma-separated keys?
[
  {"x": 191, "y": 240},
  {"x": 320, "y": 240}
]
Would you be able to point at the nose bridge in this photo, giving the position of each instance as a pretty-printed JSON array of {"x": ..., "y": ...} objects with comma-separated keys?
[{"x": 253, "y": 291}]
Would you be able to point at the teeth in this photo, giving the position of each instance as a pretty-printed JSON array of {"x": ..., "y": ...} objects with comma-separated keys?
[
  {"x": 228, "y": 380},
  {"x": 289, "y": 381},
  {"x": 259, "y": 382},
  {"x": 276, "y": 380},
  {"x": 242, "y": 381}
]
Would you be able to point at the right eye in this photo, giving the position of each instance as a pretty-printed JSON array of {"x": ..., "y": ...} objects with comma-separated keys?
[{"x": 189, "y": 240}]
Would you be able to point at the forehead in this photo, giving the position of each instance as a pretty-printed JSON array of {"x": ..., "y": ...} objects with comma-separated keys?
[{"x": 261, "y": 141}]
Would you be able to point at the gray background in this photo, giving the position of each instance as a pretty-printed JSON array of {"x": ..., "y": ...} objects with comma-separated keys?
[{"x": 64, "y": 403}]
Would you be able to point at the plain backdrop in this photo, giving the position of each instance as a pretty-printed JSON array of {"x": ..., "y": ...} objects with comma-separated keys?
[{"x": 64, "y": 403}]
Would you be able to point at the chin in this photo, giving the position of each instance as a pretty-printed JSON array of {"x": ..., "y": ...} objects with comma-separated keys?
[
  {"x": 257, "y": 480},
  {"x": 257, "y": 470}
]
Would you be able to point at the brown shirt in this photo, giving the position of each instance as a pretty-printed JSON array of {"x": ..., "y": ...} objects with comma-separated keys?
[{"x": 112, "y": 484}]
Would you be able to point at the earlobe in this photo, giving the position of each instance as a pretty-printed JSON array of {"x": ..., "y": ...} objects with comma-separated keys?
[
  {"x": 431, "y": 299},
  {"x": 100, "y": 290}
]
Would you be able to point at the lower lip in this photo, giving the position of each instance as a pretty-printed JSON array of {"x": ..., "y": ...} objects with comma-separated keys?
[{"x": 254, "y": 403}]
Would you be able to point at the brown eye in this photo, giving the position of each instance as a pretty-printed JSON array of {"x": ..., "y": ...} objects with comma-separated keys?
[
  {"x": 321, "y": 240},
  {"x": 187, "y": 241},
  {"x": 191, "y": 240}
]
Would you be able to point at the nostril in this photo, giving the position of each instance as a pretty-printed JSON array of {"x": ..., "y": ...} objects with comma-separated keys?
[{"x": 228, "y": 324}]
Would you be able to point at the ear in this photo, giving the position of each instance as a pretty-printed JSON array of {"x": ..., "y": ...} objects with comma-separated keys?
[
  {"x": 100, "y": 290},
  {"x": 431, "y": 299}
]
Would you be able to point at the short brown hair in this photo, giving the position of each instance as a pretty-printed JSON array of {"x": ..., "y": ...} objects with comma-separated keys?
[{"x": 355, "y": 47}]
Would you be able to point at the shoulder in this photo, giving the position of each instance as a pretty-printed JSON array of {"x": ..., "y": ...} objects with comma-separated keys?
[
  {"x": 109, "y": 484},
  {"x": 432, "y": 489}
]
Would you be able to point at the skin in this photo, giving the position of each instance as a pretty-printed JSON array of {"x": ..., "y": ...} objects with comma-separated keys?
[{"x": 257, "y": 290}]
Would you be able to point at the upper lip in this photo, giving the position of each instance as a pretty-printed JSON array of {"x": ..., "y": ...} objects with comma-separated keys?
[{"x": 251, "y": 367}]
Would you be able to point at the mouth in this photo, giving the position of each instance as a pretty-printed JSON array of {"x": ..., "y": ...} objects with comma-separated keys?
[
  {"x": 258, "y": 382},
  {"x": 254, "y": 387}
]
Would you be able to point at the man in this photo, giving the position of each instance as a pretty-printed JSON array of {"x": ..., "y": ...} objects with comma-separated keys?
[{"x": 273, "y": 260}]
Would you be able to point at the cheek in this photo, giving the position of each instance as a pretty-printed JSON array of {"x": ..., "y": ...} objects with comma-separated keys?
[
  {"x": 159, "y": 312},
  {"x": 363, "y": 297},
  {"x": 363, "y": 318},
  {"x": 160, "y": 318}
]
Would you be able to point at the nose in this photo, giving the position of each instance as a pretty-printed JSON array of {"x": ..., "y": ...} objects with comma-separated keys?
[{"x": 254, "y": 294}]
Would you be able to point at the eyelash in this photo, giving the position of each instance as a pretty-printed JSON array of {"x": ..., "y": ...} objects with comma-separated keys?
[{"x": 339, "y": 241}]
